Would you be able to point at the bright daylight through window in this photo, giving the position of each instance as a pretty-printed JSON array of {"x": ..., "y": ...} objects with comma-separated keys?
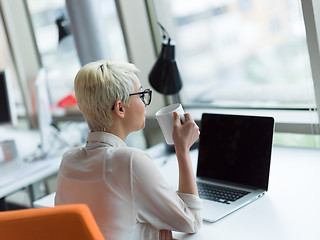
[
  {"x": 243, "y": 53},
  {"x": 57, "y": 46}
]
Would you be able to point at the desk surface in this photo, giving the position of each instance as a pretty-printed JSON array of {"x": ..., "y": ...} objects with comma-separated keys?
[
  {"x": 17, "y": 174},
  {"x": 290, "y": 209}
]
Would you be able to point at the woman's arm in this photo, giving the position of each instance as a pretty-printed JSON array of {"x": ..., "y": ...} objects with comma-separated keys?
[
  {"x": 156, "y": 203},
  {"x": 184, "y": 135}
]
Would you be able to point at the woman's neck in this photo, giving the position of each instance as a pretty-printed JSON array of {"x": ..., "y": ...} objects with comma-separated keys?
[{"x": 119, "y": 132}]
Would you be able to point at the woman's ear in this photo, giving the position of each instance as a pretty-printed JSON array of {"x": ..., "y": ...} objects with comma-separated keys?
[{"x": 119, "y": 109}]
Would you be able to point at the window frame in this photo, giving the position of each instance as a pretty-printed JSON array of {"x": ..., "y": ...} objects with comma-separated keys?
[{"x": 311, "y": 15}]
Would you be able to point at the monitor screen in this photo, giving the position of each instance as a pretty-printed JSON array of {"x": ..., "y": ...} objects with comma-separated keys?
[{"x": 7, "y": 107}]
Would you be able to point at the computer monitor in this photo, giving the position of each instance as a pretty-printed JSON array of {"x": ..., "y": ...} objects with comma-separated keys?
[
  {"x": 44, "y": 115},
  {"x": 7, "y": 106},
  {"x": 49, "y": 135},
  {"x": 7, "y": 117},
  {"x": 44, "y": 118}
]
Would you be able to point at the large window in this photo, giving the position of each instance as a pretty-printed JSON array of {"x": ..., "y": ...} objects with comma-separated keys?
[
  {"x": 247, "y": 57},
  {"x": 57, "y": 46},
  {"x": 247, "y": 53},
  {"x": 58, "y": 53}
]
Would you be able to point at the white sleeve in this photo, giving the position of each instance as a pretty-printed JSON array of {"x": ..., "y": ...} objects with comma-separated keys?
[{"x": 156, "y": 203}]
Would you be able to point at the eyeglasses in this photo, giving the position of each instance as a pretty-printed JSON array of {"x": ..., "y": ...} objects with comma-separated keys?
[{"x": 145, "y": 97}]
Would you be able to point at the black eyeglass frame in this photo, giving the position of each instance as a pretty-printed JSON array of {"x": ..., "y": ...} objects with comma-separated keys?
[{"x": 146, "y": 91}]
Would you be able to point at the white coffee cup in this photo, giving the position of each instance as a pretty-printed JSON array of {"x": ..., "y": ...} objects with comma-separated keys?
[{"x": 165, "y": 119}]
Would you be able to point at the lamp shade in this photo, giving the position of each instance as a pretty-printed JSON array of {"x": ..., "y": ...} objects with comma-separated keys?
[
  {"x": 164, "y": 76},
  {"x": 63, "y": 27}
]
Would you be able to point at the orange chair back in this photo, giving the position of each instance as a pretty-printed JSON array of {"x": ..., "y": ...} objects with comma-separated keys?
[{"x": 66, "y": 222}]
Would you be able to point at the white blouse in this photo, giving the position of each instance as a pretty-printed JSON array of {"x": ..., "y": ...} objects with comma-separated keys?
[{"x": 124, "y": 190}]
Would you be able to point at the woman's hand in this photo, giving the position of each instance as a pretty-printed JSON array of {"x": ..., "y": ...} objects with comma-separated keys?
[{"x": 184, "y": 134}]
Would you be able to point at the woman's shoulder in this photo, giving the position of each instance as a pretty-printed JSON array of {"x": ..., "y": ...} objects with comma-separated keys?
[
  {"x": 71, "y": 153},
  {"x": 131, "y": 158},
  {"x": 132, "y": 153}
]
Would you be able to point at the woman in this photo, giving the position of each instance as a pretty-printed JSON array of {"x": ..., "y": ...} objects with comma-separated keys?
[{"x": 121, "y": 185}]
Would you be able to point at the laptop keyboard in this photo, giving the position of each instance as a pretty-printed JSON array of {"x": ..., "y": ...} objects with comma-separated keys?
[{"x": 219, "y": 194}]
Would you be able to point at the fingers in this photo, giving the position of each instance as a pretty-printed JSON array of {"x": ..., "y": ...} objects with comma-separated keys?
[
  {"x": 176, "y": 118},
  {"x": 182, "y": 119},
  {"x": 184, "y": 133},
  {"x": 188, "y": 116}
]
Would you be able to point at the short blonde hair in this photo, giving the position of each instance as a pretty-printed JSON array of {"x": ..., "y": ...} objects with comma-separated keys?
[{"x": 98, "y": 85}]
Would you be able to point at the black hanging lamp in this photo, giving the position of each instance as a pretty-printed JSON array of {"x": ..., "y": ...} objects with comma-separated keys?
[{"x": 164, "y": 76}]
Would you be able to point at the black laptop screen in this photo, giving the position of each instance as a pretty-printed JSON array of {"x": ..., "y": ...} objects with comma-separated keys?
[{"x": 236, "y": 148}]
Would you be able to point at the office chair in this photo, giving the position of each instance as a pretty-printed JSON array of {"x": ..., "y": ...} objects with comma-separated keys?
[{"x": 64, "y": 222}]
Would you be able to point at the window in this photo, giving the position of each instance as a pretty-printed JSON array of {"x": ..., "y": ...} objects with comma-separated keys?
[
  {"x": 57, "y": 46},
  {"x": 246, "y": 57},
  {"x": 58, "y": 53},
  {"x": 243, "y": 53}
]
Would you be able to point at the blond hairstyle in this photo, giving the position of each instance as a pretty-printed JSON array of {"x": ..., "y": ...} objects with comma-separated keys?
[{"x": 98, "y": 85}]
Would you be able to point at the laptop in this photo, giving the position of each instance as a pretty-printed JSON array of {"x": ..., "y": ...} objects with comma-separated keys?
[{"x": 233, "y": 162}]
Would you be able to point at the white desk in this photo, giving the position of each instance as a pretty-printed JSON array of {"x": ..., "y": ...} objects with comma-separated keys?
[
  {"x": 17, "y": 174},
  {"x": 289, "y": 211}
]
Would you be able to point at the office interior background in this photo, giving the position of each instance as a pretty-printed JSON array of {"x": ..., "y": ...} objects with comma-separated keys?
[{"x": 234, "y": 56}]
